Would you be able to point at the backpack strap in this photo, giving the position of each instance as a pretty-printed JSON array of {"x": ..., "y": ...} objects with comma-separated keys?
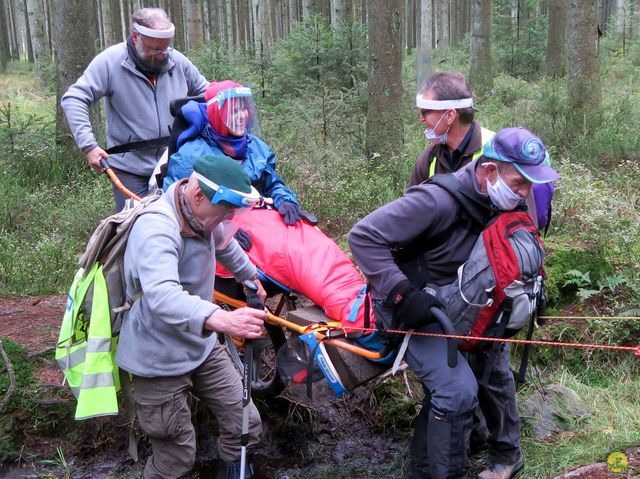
[{"x": 476, "y": 211}]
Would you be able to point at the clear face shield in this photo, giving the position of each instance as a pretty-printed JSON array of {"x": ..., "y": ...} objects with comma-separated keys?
[{"x": 237, "y": 111}]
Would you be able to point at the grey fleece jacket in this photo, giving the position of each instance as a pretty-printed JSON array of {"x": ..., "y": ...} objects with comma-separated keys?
[
  {"x": 163, "y": 333},
  {"x": 134, "y": 109},
  {"x": 425, "y": 208}
]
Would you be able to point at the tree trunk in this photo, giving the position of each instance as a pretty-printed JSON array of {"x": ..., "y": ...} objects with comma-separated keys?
[
  {"x": 584, "y": 86},
  {"x": 453, "y": 22},
  {"x": 444, "y": 39},
  {"x": 480, "y": 61},
  {"x": 194, "y": 24},
  {"x": 27, "y": 32},
  {"x": 75, "y": 48},
  {"x": 4, "y": 39},
  {"x": 556, "y": 39},
  {"x": 41, "y": 52},
  {"x": 177, "y": 17},
  {"x": 426, "y": 25},
  {"x": 228, "y": 26},
  {"x": 410, "y": 25},
  {"x": 338, "y": 13},
  {"x": 125, "y": 12},
  {"x": 111, "y": 22},
  {"x": 307, "y": 9},
  {"x": 14, "y": 44},
  {"x": 241, "y": 8},
  {"x": 214, "y": 20},
  {"x": 294, "y": 14},
  {"x": 606, "y": 10},
  {"x": 261, "y": 31},
  {"x": 384, "y": 111}
]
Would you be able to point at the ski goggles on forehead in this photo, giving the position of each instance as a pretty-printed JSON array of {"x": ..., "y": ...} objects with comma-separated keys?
[
  {"x": 224, "y": 95},
  {"x": 233, "y": 197}
]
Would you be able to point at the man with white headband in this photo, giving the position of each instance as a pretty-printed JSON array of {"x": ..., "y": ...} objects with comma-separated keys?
[
  {"x": 167, "y": 341},
  {"x": 445, "y": 103},
  {"x": 138, "y": 79}
]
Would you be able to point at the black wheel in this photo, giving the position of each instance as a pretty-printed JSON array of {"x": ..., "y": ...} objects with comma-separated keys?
[{"x": 266, "y": 382}]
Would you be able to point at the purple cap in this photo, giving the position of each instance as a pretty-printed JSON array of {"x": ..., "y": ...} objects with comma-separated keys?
[{"x": 524, "y": 150}]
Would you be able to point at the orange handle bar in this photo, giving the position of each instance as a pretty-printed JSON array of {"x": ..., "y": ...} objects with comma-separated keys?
[
  {"x": 273, "y": 319},
  {"x": 116, "y": 181}
]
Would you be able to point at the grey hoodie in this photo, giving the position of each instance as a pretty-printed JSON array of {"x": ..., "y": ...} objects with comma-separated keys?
[
  {"x": 163, "y": 332},
  {"x": 134, "y": 109}
]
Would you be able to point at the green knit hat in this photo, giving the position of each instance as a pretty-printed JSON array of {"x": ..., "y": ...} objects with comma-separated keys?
[{"x": 222, "y": 179}]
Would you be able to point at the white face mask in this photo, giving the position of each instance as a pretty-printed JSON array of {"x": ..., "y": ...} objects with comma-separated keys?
[
  {"x": 502, "y": 196},
  {"x": 430, "y": 133}
]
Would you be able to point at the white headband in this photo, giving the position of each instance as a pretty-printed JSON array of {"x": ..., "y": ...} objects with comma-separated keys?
[
  {"x": 150, "y": 32},
  {"x": 443, "y": 104}
]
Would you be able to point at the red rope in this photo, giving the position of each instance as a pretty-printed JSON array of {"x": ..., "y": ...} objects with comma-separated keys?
[{"x": 634, "y": 349}]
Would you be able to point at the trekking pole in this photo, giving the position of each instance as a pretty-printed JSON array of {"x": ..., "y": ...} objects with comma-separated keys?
[
  {"x": 116, "y": 181},
  {"x": 253, "y": 301}
]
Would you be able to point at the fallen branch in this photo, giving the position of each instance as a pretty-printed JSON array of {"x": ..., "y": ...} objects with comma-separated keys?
[
  {"x": 12, "y": 379},
  {"x": 41, "y": 352}
]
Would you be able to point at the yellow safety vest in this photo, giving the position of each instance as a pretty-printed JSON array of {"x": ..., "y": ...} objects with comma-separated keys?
[
  {"x": 86, "y": 349},
  {"x": 485, "y": 136}
]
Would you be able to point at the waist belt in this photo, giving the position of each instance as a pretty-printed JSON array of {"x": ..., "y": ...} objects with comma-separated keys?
[{"x": 139, "y": 145}]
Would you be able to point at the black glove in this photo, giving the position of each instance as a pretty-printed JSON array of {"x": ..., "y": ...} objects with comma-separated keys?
[
  {"x": 290, "y": 212},
  {"x": 243, "y": 239},
  {"x": 412, "y": 305}
]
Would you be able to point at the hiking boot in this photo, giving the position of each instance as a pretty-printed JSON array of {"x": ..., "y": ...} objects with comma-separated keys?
[
  {"x": 231, "y": 470},
  {"x": 502, "y": 471}
]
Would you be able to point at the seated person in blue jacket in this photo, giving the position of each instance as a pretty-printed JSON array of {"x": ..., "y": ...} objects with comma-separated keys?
[{"x": 225, "y": 125}]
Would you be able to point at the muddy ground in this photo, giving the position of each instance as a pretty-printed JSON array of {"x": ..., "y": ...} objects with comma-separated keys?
[
  {"x": 324, "y": 438},
  {"x": 303, "y": 439}
]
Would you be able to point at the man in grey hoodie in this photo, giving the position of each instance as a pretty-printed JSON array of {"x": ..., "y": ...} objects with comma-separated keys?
[
  {"x": 167, "y": 341},
  {"x": 138, "y": 79}
]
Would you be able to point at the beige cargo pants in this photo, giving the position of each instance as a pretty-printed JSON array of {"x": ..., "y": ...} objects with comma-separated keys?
[{"x": 162, "y": 409}]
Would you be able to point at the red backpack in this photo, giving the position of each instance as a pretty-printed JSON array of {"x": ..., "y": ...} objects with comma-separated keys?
[{"x": 500, "y": 286}]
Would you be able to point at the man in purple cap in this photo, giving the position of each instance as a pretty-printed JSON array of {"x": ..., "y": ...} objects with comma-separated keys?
[{"x": 430, "y": 230}]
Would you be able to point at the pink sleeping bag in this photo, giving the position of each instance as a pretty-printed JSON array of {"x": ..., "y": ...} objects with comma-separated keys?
[{"x": 305, "y": 260}]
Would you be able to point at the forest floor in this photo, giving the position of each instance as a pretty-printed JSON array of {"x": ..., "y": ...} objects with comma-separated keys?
[{"x": 320, "y": 439}]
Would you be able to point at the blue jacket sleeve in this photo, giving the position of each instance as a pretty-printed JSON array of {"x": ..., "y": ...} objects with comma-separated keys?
[{"x": 268, "y": 182}]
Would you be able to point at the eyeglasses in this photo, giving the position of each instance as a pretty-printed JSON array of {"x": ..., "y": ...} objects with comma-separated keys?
[
  {"x": 157, "y": 51},
  {"x": 154, "y": 51}
]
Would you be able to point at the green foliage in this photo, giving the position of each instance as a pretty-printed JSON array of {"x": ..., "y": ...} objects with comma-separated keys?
[
  {"x": 397, "y": 409},
  {"x": 217, "y": 61},
  {"x": 50, "y": 202},
  {"x": 315, "y": 57},
  {"x": 23, "y": 374},
  {"x": 612, "y": 424},
  {"x": 519, "y": 43}
]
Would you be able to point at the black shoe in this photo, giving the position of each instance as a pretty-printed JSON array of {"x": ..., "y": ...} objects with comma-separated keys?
[{"x": 502, "y": 471}]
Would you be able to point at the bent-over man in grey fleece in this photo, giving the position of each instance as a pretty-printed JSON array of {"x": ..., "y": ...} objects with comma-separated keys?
[
  {"x": 138, "y": 79},
  {"x": 430, "y": 225},
  {"x": 168, "y": 341}
]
